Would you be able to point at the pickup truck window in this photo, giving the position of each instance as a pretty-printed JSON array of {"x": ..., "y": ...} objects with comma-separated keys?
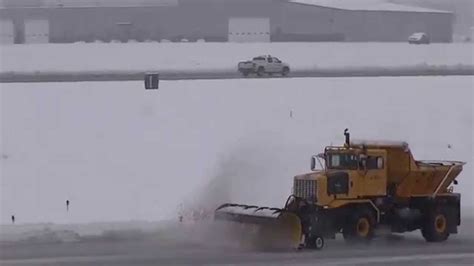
[
  {"x": 270, "y": 60},
  {"x": 258, "y": 59}
]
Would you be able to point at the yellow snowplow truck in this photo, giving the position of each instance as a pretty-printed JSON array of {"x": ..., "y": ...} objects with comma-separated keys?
[{"x": 355, "y": 189}]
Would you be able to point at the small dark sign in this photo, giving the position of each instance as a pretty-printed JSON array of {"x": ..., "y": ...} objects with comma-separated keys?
[{"x": 152, "y": 81}]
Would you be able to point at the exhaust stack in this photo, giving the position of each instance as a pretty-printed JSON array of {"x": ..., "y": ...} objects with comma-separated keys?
[{"x": 348, "y": 138}]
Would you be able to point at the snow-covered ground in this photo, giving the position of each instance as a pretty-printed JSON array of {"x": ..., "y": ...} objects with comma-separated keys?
[
  {"x": 118, "y": 152},
  {"x": 134, "y": 57}
]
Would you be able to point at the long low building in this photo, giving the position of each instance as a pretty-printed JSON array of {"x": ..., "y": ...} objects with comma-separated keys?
[{"x": 65, "y": 21}]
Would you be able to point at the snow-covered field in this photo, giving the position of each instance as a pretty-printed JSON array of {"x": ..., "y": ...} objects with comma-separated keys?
[
  {"x": 213, "y": 57},
  {"x": 118, "y": 152}
]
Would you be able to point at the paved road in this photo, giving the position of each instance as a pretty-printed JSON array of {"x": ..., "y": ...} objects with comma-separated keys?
[
  {"x": 233, "y": 74},
  {"x": 205, "y": 249}
]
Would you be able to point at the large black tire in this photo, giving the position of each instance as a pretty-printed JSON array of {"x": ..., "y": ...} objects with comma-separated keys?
[
  {"x": 359, "y": 227},
  {"x": 435, "y": 226},
  {"x": 285, "y": 71},
  {"x": 260, "y": 71},
  {"x": 315, "y": 242}
]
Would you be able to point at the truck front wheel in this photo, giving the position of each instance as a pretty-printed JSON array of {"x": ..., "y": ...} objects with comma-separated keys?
[
  {"x": 359, "y": 227},
  {"x": 285, "y": 71},
  {"x": 315, "y": 242},
  {"x": 435, "y": 227}
]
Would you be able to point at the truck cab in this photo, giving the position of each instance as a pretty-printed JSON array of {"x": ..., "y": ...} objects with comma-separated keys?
[{"x": 343, "y": 173}]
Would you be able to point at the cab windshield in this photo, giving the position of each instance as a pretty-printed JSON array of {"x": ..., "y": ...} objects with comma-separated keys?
[{"x": 343, "y": 161}]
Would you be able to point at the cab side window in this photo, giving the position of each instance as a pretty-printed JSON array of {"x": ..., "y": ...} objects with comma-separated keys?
[
  {"x": 375, "y": 163},
  {"x": 270, "y": 60},
  {"x": 380, "y": 163}
]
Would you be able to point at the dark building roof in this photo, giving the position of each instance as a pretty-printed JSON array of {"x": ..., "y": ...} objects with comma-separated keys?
[
  {"x": 367, "y": 5},
  {"x": 84, "y": 3},
  {"x": 353, "y": 5}
]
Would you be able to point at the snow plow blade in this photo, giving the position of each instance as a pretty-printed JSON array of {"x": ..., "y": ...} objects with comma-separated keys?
[{"x": 262, "y": 227}]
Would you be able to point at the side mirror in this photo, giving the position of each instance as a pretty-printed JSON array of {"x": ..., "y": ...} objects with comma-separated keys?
[{"x": 313, "y": 163}]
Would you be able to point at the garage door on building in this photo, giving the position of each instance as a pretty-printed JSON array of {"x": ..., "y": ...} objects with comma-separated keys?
[
  {"x": 249, "y": 30},
  {"x": 7, "y": 35},
  {"x": 37, "y": 31}
]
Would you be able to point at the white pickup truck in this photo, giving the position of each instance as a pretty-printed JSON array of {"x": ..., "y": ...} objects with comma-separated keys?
[{"x": 261, "y": 65}]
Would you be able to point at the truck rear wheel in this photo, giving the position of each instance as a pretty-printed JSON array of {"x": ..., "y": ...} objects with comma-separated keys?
[
  {"x": 260, "y": 71},
  {"x": 359, "y": 227},
  {"x": 435, "y": 227}
]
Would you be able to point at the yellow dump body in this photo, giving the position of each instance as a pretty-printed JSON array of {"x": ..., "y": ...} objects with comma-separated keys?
[
  {"x": 411, "y": 178},
  {"x": 428, "y": 178}
]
